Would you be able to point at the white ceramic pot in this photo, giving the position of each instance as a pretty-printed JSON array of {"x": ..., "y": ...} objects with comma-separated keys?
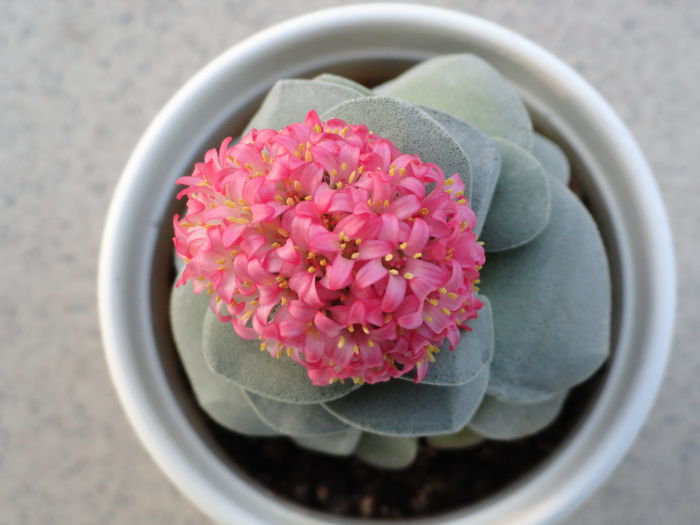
[{"x": 371, "y": 43}]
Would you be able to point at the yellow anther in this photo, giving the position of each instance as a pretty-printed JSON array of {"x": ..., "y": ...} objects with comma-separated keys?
[
  {"x": 452, "y": 295},
  {"x": 445, "y": 311},
  {"x": 459, "y": 194},
  {"x": 276, "y": 244},
  {"x": 311, "y": 269},
  {"x": 341, "y": 342},
  {"x": 339, "y": 185},
  {"x": 461, "y": 201},
  {"x": 428, "y": 318},
  {"x": 449, "y": 182},
  {"x": 358, "y": 241},
  {"x": 393, "y": 271},
  {"x": 344, "y": 131},
  {"x": 355, "y": 255},
  {"x": 402, "y": 171},
  {"x": 360, "y": 170},
  {"x": 317, "y": 128},
  {"x": 392, "y": 170},
  {"x": 238, "y": 220},
  {"x": 334, "y": 172},
  {"x": 323, "y": 262},
  {"x": 352, "y": 176},
  {"x": 230, "y": 203},
  {"x": 247, "y": 315},
  {"x": 431, "y": 357},
  {"x": 388, "y": 257},
  {"x": 370, "y": 343},
  {"x": 424, "y": 211},
  {"x": 351, "y": 329},
  {"x": 434, "y": 302},
  {"x": 263, "y": 346},
  {"x": 289, "y": 201},
  {"x": 279, "y": 198},
  {"x": 344, "y": 166},
  {"x": 365, "y": 329},
  {"x": 283, "y": 232},
  {"x": 480, "y": 242},
  {"x": 408, "y": 276},
  {"x": 307, "y": 156},
  {"x": 283, "y": 300},
  {"x": 403, "y": 245},
  {"x": 342, "y": 245},
  {"x": 203, "y": 183},
  {"x": 417, "y": 255},
  {"x": 297, "y": 155},
  {"x": 356, "y": 349},
  {"x": 386, "y": 203},
  {"x": 297, "y": 185}
]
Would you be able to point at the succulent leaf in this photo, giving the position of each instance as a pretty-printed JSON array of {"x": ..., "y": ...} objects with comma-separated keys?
[
  {"x": 290, "y": 100},
  {"x": 338, "y": 444},
  {"x": 551, "y": 306},
  {"x": 387, "y": 452},
  {"x": 498, "y": 419},
  {"x": 552, "y": 158},
  {"x": 221, "y": 399},
  {"x": 342, "y": 81},
  {"x": 521, "y": 204},
  {"x": 462, "y": 439},
  {"x": 473, "y": 352},
  {"x": 484, "y": 158},
  {"x": 403, "y": 408},
  {"x": 469, "y": 88},
  {"x": 410, "y": 129},
  {"x": 243, "y": 363},
  {"x": 294, "y": 419}
]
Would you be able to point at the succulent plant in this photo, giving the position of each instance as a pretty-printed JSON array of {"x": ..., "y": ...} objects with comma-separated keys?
[{"x": 345, "y": 246}]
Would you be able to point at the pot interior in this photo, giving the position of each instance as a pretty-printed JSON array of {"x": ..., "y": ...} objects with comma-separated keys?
[{"x": 499, "y": 467}]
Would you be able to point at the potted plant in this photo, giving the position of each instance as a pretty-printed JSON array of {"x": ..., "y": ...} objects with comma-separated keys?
[{"x": 373, "y": 44}]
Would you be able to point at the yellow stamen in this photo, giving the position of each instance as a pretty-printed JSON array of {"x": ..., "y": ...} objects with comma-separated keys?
[
  {"x": 388, "y": 257},
  {"x": 355, "y": 255},
  {"x": 445, "y": 311},
  {"x": 370, "y": 343},
  {"x": 452, "y": 295},
  {"x": 289, "y": 201},
  {"x": 403, "y": 245},
  {"x": 392, "y": 170},
  {"x": 417, "y": 255},
  {"x": 311, "y": 269},
  {"x": 238, "y": 220},
  {"x": 434, "y": 302},
  {"x": 317, "y": 128},
  {"x": 449, "y": 182},
  {"x": 365, "y": 329},
  {"x": 428, "y": 318},
  {"x": 344, "y": 166},
  {"x": 408, "y": 276},
  {"x": 351, "y": 328},
  {"x": 352, "y": 176},
  {"x": 356, "y": 349},
  {"x": 341, "y": 342},
  {"x": 394, "y": 271}
]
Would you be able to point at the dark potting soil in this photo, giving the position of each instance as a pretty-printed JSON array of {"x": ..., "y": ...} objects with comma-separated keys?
[{"x": 438, "y": 481}]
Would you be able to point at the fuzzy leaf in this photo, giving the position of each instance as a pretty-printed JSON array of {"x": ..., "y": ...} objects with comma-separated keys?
[
  {"x": 410, "y": 129},
  {"x": 484, "y": 158},
  {"x": 403, "y": 408},
  {"x": 221, "y": 399},
  {"x": 497, "y": 419},
  {"x": 469, "y": 88},
  {"x": 342, "y": 81},
  {"x": 521, "y": 205},
  {"x": 473, "y": 352},
  {"x": 387, "y": 452},
  {"x": 243, "y": 363},
  {"x": 552, "y": 158},
  {"x": 551, "y": 306},
  {"x": 462, "y": 439},
  {"x": 295, "y": 420},
  {"x": 290, "y": 100},
  {"x": 339, "y": 444}
]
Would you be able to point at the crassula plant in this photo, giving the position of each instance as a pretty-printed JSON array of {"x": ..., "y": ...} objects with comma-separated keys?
[{"x": 364, "y": 268}]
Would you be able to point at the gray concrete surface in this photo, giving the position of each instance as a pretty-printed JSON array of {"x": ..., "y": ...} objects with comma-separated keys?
[{"x": 79, "y": 82}]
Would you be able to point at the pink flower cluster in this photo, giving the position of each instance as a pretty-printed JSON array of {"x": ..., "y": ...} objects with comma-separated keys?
[{"x": 326, "y": 243}]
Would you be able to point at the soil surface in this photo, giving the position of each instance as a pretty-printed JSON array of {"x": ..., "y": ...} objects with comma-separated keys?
[{"x": 437, "y": 482}]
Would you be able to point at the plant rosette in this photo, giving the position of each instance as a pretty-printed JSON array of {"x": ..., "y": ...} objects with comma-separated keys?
[
  {"x": 344, "y": 247},
  {"x": 363, "y": 269}
]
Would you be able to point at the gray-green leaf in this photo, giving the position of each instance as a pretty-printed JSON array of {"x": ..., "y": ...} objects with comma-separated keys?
[
  {"x": 484, "y": 158},
  {"x": 497, "y": 419},
  {"x": 462, "y": 439},
  {"x": 342, "y": 81},
  {"x": 411, "y": 130},
  {"x": 520, "y": 207},
  {"x": 290, "y": 100},
  {"x": 469, "y": 88},
  {"x": 221, "y": 399},
  {"x": 551, "y": 306},
  {"x": 243, "y": 363},
  {"x": 339, "y": 444},
  {"x": 294, "y": 419},
  {"x": 552, "y": 158},
  {"x": 473, "y": 352},
  {"x": 387, "y": 452},
  {"x": 403, "y": 408}
]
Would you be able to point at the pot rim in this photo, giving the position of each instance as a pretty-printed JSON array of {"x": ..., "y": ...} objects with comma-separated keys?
[{"x": 630, "y": 195}]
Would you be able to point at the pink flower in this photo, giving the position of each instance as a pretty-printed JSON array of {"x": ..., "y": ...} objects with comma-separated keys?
[{"x": 322, "y": 241}]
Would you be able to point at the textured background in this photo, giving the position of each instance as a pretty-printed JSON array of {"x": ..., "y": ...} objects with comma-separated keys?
[{"x": 79, "y": 82}]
